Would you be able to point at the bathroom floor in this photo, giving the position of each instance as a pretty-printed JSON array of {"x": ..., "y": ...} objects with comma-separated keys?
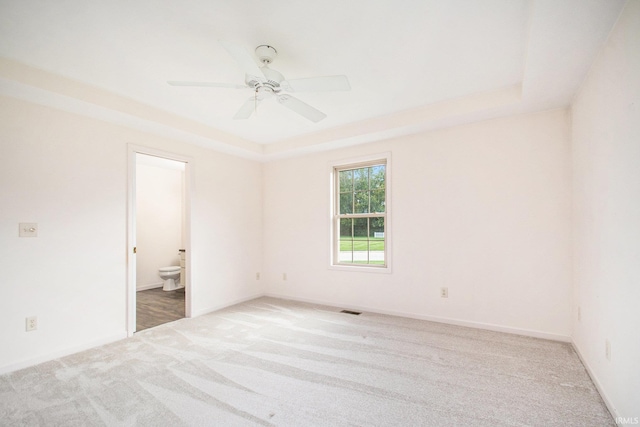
[{"x": 155, "y": 307}]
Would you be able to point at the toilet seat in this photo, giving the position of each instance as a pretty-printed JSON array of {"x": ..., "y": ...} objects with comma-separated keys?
[{"x": 172, "y": 269}]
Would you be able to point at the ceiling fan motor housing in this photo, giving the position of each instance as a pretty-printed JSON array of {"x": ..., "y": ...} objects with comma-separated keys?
[{"x": 270, "y": 86}]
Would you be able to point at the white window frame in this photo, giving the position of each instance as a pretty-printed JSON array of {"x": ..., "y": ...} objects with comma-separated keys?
[{"x": 354, "y": 163}]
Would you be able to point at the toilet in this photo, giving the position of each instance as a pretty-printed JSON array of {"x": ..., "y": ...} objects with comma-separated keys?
[{"x": 171, "y": 277}]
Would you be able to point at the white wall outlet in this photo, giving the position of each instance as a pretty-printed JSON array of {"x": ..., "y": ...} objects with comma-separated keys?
[
  {"x": 607, "y": 349},
  {"x": 284, "y": 276},
  {"x": 257, "y": 276},
  {"x": 32, "y": 323},
  {"x": 444, "y": 292},
  {"x": 28, "y": 229}
]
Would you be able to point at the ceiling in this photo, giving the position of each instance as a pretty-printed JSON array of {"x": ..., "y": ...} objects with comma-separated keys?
[{"x": 413, "y": 65}]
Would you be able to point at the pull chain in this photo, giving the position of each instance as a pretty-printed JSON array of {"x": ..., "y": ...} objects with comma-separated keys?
[{"x": 255, "y": 102}]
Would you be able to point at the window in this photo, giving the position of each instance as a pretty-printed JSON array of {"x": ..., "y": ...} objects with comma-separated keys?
[{"x": 360, "y": 229}]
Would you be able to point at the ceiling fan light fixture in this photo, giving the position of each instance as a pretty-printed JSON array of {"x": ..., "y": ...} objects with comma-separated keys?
[{"x": 264, "y": 92}]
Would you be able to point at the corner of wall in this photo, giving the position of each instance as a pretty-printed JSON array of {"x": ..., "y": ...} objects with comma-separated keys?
[{"x": 594, "y": 379}]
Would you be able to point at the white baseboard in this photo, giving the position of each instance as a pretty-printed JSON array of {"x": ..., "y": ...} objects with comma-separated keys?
[
  {"x": 605, "y": 398},
  {"x": 447, "y": 320},
  {"x": 107, "y": 340},
  {"x": 150, "y": 286},
  {"x": 221, "y": 306},
  {"x": 61, "y": 353}
]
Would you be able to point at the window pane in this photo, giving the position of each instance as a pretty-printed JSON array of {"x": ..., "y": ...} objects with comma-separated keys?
[
  {"x": 361, "y": 240},
  {"x": 377, "y": 242},
  {"x": 360, "y": 228},
  {"x": 345, "y": 249},
  {"x": 346, "y": 181},
  {"x": 346, "y": 203},
  {"x": 361, "y": 179},
  {"x": 376, "y": 228},
  {"x": 345, "y": 228},
  {"x": 376, "y": 176},
  {"x": 377, "y": 201},
  {"x": 361, "y": 202}
]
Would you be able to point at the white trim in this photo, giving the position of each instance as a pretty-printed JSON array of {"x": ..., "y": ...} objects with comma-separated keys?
[
  {"x": 594, "y": 379},
  {"x": 131, "y": 241},
  {"x": 189, "y": 175},
  {"x": 361, "y": 159},
  {"x": 447, "y": 320},
  {"x": 225, "y": 305},
  {"x": 355, "y": 162},
  {"x": 62, "y": 353},
  {"x": 358, "y": 268},
  {"x": 150, "y": 286}
]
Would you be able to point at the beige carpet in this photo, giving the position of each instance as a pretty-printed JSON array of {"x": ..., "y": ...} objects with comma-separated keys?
[{"x": 275, "y": 362}]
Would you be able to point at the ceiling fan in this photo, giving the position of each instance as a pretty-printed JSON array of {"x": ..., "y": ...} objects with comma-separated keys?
[{"x": 268, "y": 83}]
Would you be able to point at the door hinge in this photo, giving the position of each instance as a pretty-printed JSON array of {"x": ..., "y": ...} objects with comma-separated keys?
[{"x": 135, "y": 250}]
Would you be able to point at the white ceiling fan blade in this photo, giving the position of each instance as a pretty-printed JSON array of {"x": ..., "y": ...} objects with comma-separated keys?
[
  {"x": 305, "y": 110},
  {"x": 206, "y": 84},
  {"x": 243, "y": 58},
  {"x": 249, "y": 106},
  {"x": 318, "y": 84}
]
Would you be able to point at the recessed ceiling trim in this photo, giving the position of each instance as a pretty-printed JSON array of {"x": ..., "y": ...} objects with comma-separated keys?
[
  {"x": 46, "y": 98},
  {"x": 31, "y": 76},
  {"x": 368, "y": 129}
]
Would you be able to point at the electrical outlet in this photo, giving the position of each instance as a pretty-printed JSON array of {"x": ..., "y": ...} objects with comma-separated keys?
[
  {"x": 257, "y": 276},
  {"x": 444, "y": 292},
  {"x": 607, "y": 349},
  {"x": 284, "y": 276},
  {"x": 32, "y": 323}
]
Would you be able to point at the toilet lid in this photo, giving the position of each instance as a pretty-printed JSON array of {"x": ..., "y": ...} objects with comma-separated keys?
[{"x": 169, "y": 269}]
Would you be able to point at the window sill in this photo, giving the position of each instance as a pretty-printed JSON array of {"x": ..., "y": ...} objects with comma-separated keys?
[{"x": 360, "y": 268}]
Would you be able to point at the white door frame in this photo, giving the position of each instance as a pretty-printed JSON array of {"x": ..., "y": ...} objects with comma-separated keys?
[{"x": 131, "y": 227}]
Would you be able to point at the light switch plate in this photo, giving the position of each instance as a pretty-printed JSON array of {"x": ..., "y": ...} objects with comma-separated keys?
[{"x": 28, "y": 229}]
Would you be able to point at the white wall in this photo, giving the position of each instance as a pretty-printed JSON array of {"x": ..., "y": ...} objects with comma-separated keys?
[
  {"x": 159, "y": 221},
  {"x": 606, "y": 216},
  {"x": 482, "y": 209},
  {"x": 68, "y": 173}
]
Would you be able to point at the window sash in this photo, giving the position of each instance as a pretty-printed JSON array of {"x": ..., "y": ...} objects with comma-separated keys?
[
  {"x": 356, "y": 166},
  {"x": 354, "y": 239},
  {"x": 362, "y": 215}
]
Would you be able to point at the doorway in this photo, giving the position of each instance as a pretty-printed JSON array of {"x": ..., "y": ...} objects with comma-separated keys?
[{"x": 158, "y": 238}]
